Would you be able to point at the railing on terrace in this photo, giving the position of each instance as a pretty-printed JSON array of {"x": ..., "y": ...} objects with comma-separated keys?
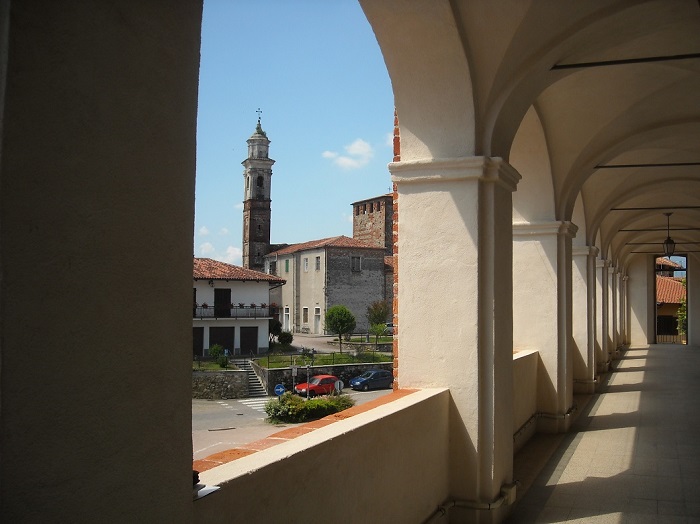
[
  {"x": 671, "y": 339},
  {"x": 232, "y": 311},
  {"x": 313, "y": 358}
]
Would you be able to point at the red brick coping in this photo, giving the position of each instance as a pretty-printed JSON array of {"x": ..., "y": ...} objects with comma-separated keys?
[{"x": 230, "y": 455}]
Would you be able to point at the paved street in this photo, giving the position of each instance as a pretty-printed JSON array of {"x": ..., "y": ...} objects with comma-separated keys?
[{"x": 218, "y": 425}]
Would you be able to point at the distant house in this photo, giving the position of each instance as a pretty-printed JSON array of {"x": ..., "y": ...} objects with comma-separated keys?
[
  {"x": 231, "y": 306},
  {"x": 670, "y": 292},
  {"x": 323, "y": 273},
  {"x": 666, "y": 267}
]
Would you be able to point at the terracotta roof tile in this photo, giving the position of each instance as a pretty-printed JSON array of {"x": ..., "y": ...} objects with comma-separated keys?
[
  {"x": 340, "y": 241},
  {"x": 667, "y": 262},
  {"x": 669, "y": 290},
  {"x": 206, "y": 268}
]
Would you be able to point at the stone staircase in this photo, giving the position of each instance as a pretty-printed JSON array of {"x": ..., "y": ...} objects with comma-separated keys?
[{"x": 255, "y": 386}]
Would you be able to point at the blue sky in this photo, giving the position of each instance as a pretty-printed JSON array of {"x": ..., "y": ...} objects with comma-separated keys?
[{"x": 315, "y": 70}]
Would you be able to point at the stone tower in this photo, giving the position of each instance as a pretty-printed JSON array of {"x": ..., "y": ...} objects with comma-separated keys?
[{"x": 257, "y": 177}]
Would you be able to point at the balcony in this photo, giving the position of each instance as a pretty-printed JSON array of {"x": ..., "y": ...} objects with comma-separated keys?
[{"x": 232, "y": 311}]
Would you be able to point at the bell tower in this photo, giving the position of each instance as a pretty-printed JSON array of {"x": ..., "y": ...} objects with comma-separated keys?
[{"x": 257, "y": 176}]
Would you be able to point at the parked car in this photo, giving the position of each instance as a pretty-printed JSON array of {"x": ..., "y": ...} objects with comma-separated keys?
[
  {"x": 319, "y": 385},
  {"x": 389, "y": 329},
  {"x": 374, "y": 378}
]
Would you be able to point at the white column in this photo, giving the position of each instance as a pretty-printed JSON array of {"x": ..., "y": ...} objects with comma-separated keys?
[
  {"x": 455, "y": 259},
  {"x": 612, "y": 311},
  {"x": 624, "y": 321},
  {"x": 602, "y": 343},
  {"x": 583, "y": 318},
  {"x": 542, "y": 310}
]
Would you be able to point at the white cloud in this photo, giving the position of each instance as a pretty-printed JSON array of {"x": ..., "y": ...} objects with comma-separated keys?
[
  {"x": 223, "y": 231},
  {"x": 238, "y": 206},
  {"x": 359, "y": 153},
  {"x": 233, "y": 256},
  {"x": 203, "y": 231},
  {"x": 206, "y": 249}
]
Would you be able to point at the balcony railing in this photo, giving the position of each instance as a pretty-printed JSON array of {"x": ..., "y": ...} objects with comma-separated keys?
[{"x": 233, "y": 311}]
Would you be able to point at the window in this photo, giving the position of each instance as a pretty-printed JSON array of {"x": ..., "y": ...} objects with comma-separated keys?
[
  {"x": 318, "y": 263},
  {"x": 356, "y": 264},
  {"x": 306, "y": 264},
  {"x": 273, "y": 268},
  {"x": 305, "y": 315},
  {"x": 371, "y": 207},
  {"x": 260, "y": 181},
  {"x": 286, "y": 266}
]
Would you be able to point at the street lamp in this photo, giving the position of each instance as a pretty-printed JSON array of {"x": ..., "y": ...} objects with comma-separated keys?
[{"x": 669, "y": 244}]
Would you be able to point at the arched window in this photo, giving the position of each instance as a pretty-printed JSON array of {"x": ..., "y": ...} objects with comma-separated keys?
[{"x": 260, "y": 181}]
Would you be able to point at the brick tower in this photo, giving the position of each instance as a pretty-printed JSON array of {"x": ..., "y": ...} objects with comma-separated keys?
[{"x": 257, "y": 177}]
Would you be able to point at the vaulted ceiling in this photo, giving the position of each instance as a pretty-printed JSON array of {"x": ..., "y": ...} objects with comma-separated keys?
[{"x": 615, "y": 86}]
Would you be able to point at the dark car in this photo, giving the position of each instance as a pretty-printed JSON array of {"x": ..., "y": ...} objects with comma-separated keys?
[
  {"x": 319, "y": 385},
  {"x": 372, "y": 379}
]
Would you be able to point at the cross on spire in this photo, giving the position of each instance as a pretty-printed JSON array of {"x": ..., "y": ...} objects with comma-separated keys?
[{"x": 259, "y": 112}]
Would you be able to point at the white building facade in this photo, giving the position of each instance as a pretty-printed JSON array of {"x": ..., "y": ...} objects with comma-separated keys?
[{"x": 230, "y": 307}]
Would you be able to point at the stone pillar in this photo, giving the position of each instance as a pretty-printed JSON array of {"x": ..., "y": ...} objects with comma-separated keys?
[
  {"x": 612, "y": 312},
  {"x": 583, "y": 318},
  {"x": 624, "y": 331},
  {"x": 602, "y": 343},
  {"x": 542, "y": 311},
  {"x": 469, "y": 201},
  {"x": 693, "y": 299}
]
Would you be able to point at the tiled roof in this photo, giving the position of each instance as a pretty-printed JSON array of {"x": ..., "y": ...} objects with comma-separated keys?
[
  {"x": 669, "y": 290},
  {"x": 206, "y": 268},
  {"x": 663, "y": 261},
  {"x": 341, "y": 241}
]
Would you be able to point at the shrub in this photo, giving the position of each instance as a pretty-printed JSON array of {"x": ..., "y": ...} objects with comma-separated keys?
[
  {"x": 285, "y": 338},
  {"x": 216, "y": 352},
  {"x": 293, "y": 408}
]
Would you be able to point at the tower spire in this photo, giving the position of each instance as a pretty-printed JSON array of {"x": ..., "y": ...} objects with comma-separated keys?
[{"x": 257, "y": 176}]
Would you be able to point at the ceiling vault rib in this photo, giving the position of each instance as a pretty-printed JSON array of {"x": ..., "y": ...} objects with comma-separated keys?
[
  {"x": 662, "y": 229},
  {"x": 626, "y": 61},
  {"x": 626, "y": 166},
  {"x": 655, "y": 208}
]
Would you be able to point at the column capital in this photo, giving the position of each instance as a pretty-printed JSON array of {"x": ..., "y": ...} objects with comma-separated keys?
[
  {"x": 580, "y": 251},
  {"x": 477, "y": 168},
  {"x": 602, "y": 263},
  {"x": 545, "y": 228}
]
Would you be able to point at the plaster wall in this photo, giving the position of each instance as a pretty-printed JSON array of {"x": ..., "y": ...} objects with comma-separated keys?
[
  {"x": 534, "y": 199},
  {"x": 693, "y": 300},
  {"x": 535, "y": 304},
  {"x": 312, "y": 287},
  {"x": 525, "y": 364},
  {"x": 579, "y": 318},
  {"x": 245, "y": 292},
  {"x": 640, "y": 290},
  {"x": 261, "y": 487},
  {"x": 97, "y": 207}
]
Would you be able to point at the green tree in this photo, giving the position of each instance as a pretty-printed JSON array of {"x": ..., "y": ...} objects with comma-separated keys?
[
  {"x": 377, "y": 330},
  {"x": 216, "y": 352},
  {"x": 378, "y": 312},
  {"x": 340, "y": 320},
  {"x": 683, "y": 313}
]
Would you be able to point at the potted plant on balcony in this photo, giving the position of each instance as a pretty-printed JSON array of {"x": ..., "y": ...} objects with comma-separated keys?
[
  {"x": 205, "y": 305},
  {"x": 241, "y": 304},
  {"x": 263, "y": 305},
  {"x": 252, "y": 305}
]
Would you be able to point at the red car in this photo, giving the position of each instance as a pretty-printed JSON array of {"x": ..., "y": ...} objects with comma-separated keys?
[{"x": 319, "y": 385}]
